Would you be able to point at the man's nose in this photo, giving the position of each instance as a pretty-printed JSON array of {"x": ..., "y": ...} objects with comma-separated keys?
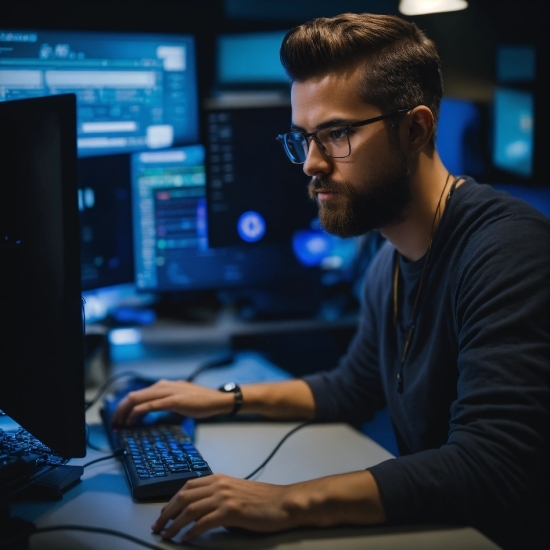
[{"x": 316, "y": 160}]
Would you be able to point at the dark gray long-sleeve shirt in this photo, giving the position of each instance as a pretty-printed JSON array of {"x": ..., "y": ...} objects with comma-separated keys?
[{"x": 472, "y": 421}]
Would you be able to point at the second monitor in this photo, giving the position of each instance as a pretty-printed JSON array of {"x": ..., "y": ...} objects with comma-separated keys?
[
  {"x": 255, "y": 194},
  {"x": 170, "y": 228}
]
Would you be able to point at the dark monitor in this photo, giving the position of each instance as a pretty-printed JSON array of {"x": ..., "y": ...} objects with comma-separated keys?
[
  {"x": 105, "y": 221},
  {"x": 134, "y": 91},
  {"x": 250, "y": 60},
  {"x": 41, "y": 325},
  {"x": 170, "y": 228},
  {"x": 516, "y": 63},
  {"x": 255, "y": 194}
]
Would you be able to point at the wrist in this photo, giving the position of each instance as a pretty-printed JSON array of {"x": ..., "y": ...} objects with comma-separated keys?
[
  {"x": 235, "y": 391},
  {"x": 342, "y": 499}
]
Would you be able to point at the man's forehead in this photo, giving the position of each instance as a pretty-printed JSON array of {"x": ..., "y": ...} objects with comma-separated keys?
[{"x": 327, "y": 97}]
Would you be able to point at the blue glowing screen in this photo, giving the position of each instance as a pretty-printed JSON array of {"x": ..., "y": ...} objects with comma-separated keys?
[
  {"x": 250, "y": 58},
  {"x": 134, "y": 91},
  {"x": 513, "y": 131}
]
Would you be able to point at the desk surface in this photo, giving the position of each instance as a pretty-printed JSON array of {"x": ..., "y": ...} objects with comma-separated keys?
[{"x": 102, "y": 498}]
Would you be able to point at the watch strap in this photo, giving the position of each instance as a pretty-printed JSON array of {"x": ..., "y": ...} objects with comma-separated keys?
[{"x": 235, "y": 389}]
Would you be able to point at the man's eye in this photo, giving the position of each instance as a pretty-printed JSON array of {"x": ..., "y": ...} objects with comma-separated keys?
[{"x": 338, "y": 133}]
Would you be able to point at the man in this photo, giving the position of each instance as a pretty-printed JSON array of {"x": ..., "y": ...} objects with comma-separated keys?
[{"x": 454, "y": 330}]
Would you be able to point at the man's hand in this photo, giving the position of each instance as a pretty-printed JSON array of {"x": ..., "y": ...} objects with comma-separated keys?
[
  {"x": 220, "y": 500},
  {"x": 183, "y": 398},
  {"x": 290, "y": 399}
]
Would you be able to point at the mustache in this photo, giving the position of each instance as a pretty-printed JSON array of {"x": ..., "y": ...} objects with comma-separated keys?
[{"x": 328, "y": 185}]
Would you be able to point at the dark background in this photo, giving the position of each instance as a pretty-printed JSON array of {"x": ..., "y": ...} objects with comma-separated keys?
[{"x": 467, "y": 40}]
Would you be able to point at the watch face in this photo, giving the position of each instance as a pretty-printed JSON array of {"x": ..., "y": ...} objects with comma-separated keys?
[{"x": 230, "y": 386}]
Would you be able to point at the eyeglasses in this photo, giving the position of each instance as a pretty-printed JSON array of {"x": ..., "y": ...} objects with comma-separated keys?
[{"x": 333, "y": 141}]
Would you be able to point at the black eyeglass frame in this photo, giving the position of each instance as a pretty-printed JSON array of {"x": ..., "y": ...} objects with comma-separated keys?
[{"x": 283, "y": 137}]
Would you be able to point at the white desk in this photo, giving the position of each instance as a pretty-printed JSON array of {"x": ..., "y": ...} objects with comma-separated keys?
[{"x": 102, "y": 498}]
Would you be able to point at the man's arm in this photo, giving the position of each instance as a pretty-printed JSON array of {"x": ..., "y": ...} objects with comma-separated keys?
[
  {"x": 219, "y": 500},
  {"x": 286, "y": 400}
]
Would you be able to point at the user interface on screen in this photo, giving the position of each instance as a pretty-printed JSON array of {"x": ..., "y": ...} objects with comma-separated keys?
[
  {"x": 105, "y": 221},
  {"x": 256, "y": 195},
  {"x": 170, "y": 228},
  {"x": 134, "y": 91}
]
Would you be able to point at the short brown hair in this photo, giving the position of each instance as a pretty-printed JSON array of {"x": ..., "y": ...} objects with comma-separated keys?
[{"x": 402, "y": 66}]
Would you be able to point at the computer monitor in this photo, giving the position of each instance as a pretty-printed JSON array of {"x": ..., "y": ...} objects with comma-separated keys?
[
  {"x": 514, "y": 131},
  {"x": 41, "y": 325},
  {"x": 255, "y": 195},
  {"x": 135, "y": 91},
  {"x": 461, "y": 136},
  {"x": 250, "y": 60},
  {"x": 170, "y": 228},
  {"x": 105, "y": 221}
]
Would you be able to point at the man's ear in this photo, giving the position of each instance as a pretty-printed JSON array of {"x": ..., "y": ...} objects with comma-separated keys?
[{"x": 420, "y": 128}]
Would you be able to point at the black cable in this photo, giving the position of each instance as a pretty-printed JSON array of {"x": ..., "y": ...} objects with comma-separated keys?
[
  {"x": 92, "y": 445},
  {"x": 220, "y": 362},
  {"x": 299, "y": 427},
  {"x": 109, "y": 382},
  {"x": 99, "y": 530},
  {"x": 116, "y": 454},
  {"x": 207, "y": 365}
]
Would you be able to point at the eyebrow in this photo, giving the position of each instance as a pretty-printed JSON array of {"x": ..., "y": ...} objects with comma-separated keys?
[{"x": 323, "y": 125}]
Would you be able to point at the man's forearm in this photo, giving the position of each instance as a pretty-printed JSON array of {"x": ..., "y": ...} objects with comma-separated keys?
[
  {"x": 345, "y": 499},
  {"x": 291, "y": 399}
]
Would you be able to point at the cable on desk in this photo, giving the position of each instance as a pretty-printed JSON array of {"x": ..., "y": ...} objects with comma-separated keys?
[
  {"x": 207, "y": 365},
  {"x": 116, "y": 454},
  {"x": 299, "y": 427},
  {"x": 220, "y": 362},
  {"x": 91, "y": 445},
  {"x": 107, "y": 384},
  {"x": 100, "y": 530}
]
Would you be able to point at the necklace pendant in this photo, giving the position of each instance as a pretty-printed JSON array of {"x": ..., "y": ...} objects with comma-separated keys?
[{"x": 399, "y": 383}]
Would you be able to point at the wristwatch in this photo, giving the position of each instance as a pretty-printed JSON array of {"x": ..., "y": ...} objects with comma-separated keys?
[{"x": 231, "y": 387}]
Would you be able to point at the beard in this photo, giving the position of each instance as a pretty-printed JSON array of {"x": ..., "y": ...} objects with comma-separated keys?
[{"x": 372, "y": 205}]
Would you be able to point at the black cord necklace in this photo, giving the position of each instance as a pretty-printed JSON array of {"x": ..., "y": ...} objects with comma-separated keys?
[{"x": 418, "y": 292}]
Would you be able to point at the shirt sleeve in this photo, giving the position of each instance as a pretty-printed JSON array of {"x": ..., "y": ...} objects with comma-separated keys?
[
  {"x": 492, "y": 473},
  {"x": 353, "y": 392}
]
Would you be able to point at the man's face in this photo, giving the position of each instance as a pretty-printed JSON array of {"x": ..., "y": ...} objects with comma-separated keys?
[{"x": 370, "y": 188}]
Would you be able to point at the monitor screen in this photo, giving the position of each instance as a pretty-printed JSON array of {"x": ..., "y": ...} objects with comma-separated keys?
[
  {"x": 135, "y": 91},
  {"x": 460, "y": 136},
  {"x": 250, "y": 58},
  {"x": 513, "y": 130},
  {"x": 41, "y": 325},
  {"x": 516, "y": 63},
  {"x": 170, "y": 228},
  {"x": 256, "y": 195},
  {"x": 105, "y": 221}
]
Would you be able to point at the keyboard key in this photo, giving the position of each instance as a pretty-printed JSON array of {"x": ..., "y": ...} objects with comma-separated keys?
[{"x": 160, "y": 459}]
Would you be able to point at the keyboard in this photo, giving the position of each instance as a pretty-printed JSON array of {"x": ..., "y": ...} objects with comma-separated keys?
[
  {"x": 158, "y": 458},
  {"x": 20, "y": 443},
  {"x": 24, "y": 460}
]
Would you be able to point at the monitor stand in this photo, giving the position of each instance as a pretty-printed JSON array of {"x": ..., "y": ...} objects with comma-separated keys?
[{"x": 54, "y": 484}]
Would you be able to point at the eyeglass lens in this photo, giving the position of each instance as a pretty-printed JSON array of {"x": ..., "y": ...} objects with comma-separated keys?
[
  {"x": 296, "y": 147},
  {"x": 335, "y": 143}
]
